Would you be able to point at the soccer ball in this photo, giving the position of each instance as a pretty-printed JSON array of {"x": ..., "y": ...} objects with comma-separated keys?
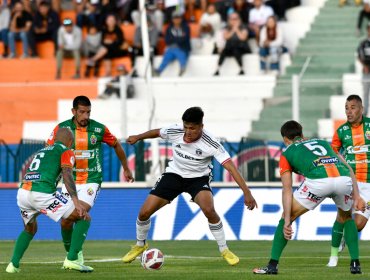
[{"x": 152, "y": 259}]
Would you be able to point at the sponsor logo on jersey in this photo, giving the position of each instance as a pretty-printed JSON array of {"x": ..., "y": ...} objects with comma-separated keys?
[
  {"x": 325, "y": 160},
  {"x": 367, "y": 134},
  {"x": 205, "y": 187},
  {"x": 84, "y": 154},
  {"x": 72, "y": 160},
  {"x": 24, "y": 214},
  {"x": 313, "y": 197},
  {"x": 97, "y": 129},
  {"x": 54, "y": 206},
  {"x": 347, "y": 137},
  {"x": 186, "y": 156},
  {"x": 32, "y": 176},
  {"x": 90, "y": 191},
  {"x": 357, "y": 149},
  {"x": 178, "y": 146},
  {"x": 93, "y": 139},
  {"x": 198, "y": 152},
  {"x": 346, "y": 127},
  {"x": 61, "y": 198}
]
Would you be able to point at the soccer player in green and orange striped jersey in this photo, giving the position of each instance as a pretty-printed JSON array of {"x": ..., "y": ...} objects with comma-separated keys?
[
  {"x": 89, "y": 137},
  {"x": 326, "y": 175},
  {"x": 352, "y": 139}
]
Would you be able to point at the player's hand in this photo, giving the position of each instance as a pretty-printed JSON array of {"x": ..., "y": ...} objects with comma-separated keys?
[
  {"x": 128, "y": 175},
  {"x": 81, "y": 211},
  {"x": 132, "y": 139},
  {"x": 359, "y": 204},
  {"x": 288, "y": 232},
  {"x": 249, "y": 201}
]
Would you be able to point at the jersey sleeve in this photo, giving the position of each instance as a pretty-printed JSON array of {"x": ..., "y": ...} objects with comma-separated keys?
[
  {"x": 67, "y": 159},
  {"x": 109, "y": 138},
  {"x": 221, "y": 155},
  {"x": 284, "y": 165},
  {"x": 171, "y": 132},
  {"x": 51, "y": 138},
  {"x": 336, "y": 143}
]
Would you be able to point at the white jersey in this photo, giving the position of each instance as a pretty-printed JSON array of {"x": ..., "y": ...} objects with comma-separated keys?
[{"x": 191, "y": 160}]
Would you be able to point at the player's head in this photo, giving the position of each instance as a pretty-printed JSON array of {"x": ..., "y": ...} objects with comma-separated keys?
[
  {"x": 65, "y": 136},
  {"x": 193, "y": 123},
  {"x": 291, "y": 130},
  {"x": 354, "y": 109},
  {"x": 81, "y": 110}
]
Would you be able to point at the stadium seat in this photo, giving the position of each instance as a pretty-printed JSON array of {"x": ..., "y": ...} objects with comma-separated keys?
[{"x": 129, "y": 32}]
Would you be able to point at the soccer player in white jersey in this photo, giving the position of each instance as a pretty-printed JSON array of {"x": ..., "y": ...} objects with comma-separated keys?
[{"x": 189, "y": 171}]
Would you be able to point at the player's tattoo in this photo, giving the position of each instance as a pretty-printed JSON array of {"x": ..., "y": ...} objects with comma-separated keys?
[{"x": 69, "y": 182}]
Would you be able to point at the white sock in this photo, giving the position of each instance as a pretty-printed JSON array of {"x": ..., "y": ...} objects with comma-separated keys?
[
  {"x": 142, "y": 229},
  {"x": 219, "y": 234}
]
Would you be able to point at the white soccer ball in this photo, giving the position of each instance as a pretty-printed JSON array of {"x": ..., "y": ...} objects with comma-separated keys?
[{"x": 152, "y": 259}]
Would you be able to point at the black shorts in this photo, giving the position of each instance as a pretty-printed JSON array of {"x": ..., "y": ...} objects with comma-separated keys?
[{"x": 170, "y": 185}]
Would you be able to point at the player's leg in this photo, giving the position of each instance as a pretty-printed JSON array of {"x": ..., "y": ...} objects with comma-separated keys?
[
  {"x": 164, "y": 191},
  {"x": 336, "y": 240}
]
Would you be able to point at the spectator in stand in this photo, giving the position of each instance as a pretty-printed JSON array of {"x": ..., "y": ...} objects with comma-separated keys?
[
  {"x": 138, "y": 46},
  {"x": 191, "y": 6},
  {"x": 4, "y": 26},
  {"x": 45, "y": 27},
  {"x": 113, "y": 87},
  {"x": 107, "y": 7},
  {"x": 125, "y": 8},
  {"x": 171, "y": 6},
  {"x": 210, "y": 25},
  {"x": 91, "y": 47},
  {"x": 364, "y": 13},
  {"x": 343, "y": 2},
  {"x": 364, "y": 57},
  {"x": 258, "y": 17},
  {"x": 113, "y": 45},
  {"x": 242, "y": 7},
  {"x": 20, "y": 24},
  {"x": 69, "y": 41},
  {"x": 177, "y": 40},
  {"x": 87, "y": 13},
  {"x": 271, "y": 45},
  {"x": 223, "y": 7},
  {"x": 154, "y": 11},
  {"x": 236, "y": 37}
]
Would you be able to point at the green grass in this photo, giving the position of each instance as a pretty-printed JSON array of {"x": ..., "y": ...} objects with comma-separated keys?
[{"x": 185, "y": 260}]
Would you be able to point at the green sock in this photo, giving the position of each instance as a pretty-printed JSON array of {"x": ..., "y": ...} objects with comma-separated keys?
[
  {"x": 67, "y": 238},
  {"x": 21, "y": 246},
  {"x": 351, "y": 238},
  {"x": 336, "y": 237},
  {"x": 279, "y": 242},
  {"x": 78, "y": 238}
]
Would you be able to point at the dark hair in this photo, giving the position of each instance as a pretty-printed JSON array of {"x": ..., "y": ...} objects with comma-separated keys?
[
  {"x": 354, "y": 97},
  {"x": 291, "y": 130},
  {"x": 44, "y": 3},
  {"x": 193, "y": 115},
  {"x": 81, "y": 100}
]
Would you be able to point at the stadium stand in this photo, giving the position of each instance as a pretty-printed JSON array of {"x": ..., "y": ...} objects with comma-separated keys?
[{"x": 330, "y": 43}]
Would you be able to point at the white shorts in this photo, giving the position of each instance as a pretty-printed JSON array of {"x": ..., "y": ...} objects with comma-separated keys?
[
  {"x": 55, "y": 206},
  {"x": 86, "y": 192},
  {"x": 312, "y": 192},
  {"x": 364, "y": 189}
]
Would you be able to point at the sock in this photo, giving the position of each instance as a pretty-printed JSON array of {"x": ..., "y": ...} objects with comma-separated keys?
[
  {"x": 351, "y": 238},
  {"x": 279, "y": 242},
  {"x": 21, "y": 246},
  {"x": 336, "y": 237},
  {"x": 78, "y": 238},
  {"x": 67, "y": 238},
  {"x": 219, "y": 234},
  {"x": 142, "y": 229}
]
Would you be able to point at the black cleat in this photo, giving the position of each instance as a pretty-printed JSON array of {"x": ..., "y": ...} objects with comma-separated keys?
[
  {"x": 269, "y": 269},
  {"x": 355, "y": 267}
]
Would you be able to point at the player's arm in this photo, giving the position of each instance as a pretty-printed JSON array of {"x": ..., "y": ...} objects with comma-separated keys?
[
  {"x": 123, "y": 159},
  {"x": 286, "y": 179},
  {"x": 154, "y": 133},
  {"x": 249, "y": 200}
]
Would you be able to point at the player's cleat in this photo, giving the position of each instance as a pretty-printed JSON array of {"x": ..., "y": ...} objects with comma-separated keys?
[
  {"x": 269, "y": 269},
  {"x": 12, "y": 269},
  {"x": 342, "y": 245},
  {"x": 230, "y": 257},
  {"x": 75, "y": 265},
  {"x": 355, "y": 267},
  {"x": 333, "y": 261},
  {"x": 80, "y": 258},
  {"x": 134, "y": 252}
]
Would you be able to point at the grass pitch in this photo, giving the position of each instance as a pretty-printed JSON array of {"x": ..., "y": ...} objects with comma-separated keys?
[{"x": 184, "y": 260}]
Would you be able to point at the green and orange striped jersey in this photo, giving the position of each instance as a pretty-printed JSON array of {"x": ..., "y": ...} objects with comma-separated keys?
[
  {"x": 355, "y": 144},
  {"x": 87, "y": 149},
  {"x": 43, "y": 173},
  {"x": 312, "y": 158}
]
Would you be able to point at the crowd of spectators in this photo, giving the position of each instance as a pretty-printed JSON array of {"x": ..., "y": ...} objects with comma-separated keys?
[{"x": 96, "y": 30}]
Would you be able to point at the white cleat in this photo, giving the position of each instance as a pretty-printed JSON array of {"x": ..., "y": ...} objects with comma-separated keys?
[{"x": 333, "y": 262}]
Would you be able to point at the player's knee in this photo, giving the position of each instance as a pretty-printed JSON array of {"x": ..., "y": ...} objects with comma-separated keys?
[
  {"x": 144, "y": 215},
  {"x": 360, "y": 224},
  {"x": 210, "y": 212},
  {"x": 31, "y": 228},
  {"x": 66, "y": 224}
]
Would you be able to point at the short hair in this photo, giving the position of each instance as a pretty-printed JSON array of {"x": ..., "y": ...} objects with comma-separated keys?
[
  {"x": 291, "y": 129},
  {"x": 44, "y": 3},
  {"x": 354, "y": 97},
  {"x": 193, "y": 115},
  {"x": 81, "y": 100}
]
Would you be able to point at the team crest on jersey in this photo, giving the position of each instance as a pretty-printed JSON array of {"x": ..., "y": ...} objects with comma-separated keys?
[
  {"x": 90, "y": 191},
  {"x": 198, "y": 152},
  {"x": 345, "y": 127},
  {"x": 367, "y": 134},
  {"x": 93, "y": 139},
  {"x": 97, "y": 129}
]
